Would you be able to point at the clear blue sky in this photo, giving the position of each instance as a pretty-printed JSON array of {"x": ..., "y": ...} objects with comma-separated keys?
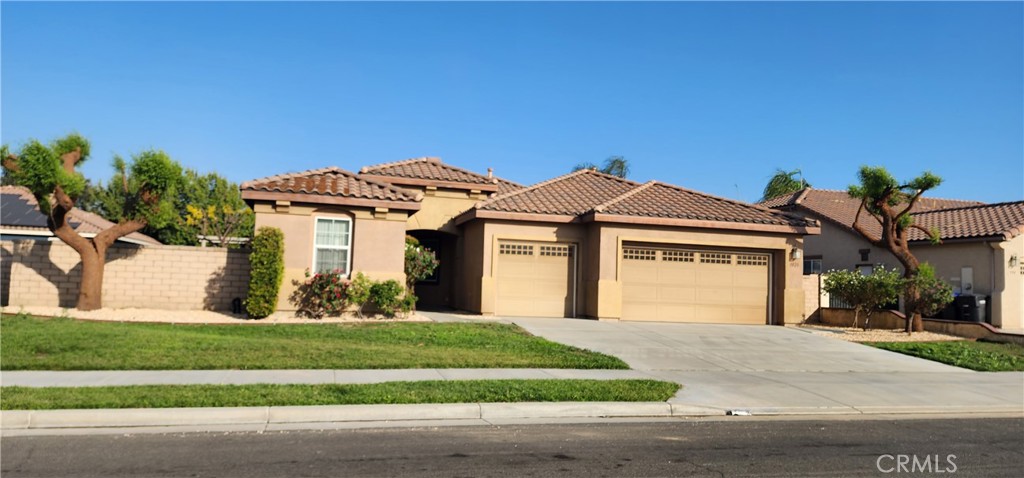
[{"x": 708, "y": 96}]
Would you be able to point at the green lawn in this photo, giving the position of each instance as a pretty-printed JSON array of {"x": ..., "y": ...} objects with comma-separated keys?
[
  {"x": 981, "y": 356},
  {"x": 32, "y": 343},
  {"x": 468, "y": 391}
]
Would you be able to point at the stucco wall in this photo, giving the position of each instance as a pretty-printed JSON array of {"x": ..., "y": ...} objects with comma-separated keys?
[
  {"x": 48, "y": 273},
  {"x": 378, "y": 241},
  {"x": 439, "y": 207}
]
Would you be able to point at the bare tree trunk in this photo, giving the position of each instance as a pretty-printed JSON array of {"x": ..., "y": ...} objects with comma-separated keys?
[{"x": 90, "y": 293}]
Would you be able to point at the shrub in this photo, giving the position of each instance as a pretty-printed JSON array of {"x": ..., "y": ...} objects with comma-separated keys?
[
  {"x": 387, "y": 296},
  {"x": 866, "y": 293},
  {"x": 420, "y": 263},
  {"x": 935, "y": 294},
  {"x": 321, "y": 294},
  {"x": 266, "y": 272},
  {"x": 359, "y": 292}
]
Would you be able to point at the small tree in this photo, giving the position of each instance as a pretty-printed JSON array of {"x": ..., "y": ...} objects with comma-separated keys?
[
  {"x": 784, "y": 182},
  {"x": 49, "y": 171},
  {"x": 222, "y": 222},
  {"x": 266, "y": 271},
  {"x": 890, "y": 204},
  {"x": 420, "y": 263}
]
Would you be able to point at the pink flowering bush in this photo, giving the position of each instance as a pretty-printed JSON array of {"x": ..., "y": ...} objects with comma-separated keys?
[{"x": 322, "y": 294}]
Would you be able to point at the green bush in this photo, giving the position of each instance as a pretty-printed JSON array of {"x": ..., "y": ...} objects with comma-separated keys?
[
  {"x": 359, "y": 292},
  {"x": 866, "y": 293},
  {"x": 935, "y": 293},
  {"x": 266, "y": 272},
  {"x": 387, "y": 296}
]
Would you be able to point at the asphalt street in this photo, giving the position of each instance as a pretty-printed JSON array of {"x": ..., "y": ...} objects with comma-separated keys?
[{"x": 710, "y": 447}]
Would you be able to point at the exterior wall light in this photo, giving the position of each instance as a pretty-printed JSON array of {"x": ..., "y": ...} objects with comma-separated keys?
[
  {"x": 795, "y": 254},
  {"x": 1014, "y": 260}
]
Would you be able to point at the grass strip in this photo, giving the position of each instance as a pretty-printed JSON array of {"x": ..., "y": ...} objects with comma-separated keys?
[
  {"x": 980, "y": 356},
  {"x": 459, "y": 391},
  {"x": 33, "y": 343}
]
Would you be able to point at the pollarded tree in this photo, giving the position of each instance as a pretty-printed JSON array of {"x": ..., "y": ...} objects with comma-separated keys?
[
  {"x": 890, "y": 203},
  {"x": 49, "y": 172}
]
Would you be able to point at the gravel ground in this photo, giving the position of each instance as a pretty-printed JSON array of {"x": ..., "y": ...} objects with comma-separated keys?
[
  {"x": 854, "y": 334},
  {"x": 192, "y": 316}
]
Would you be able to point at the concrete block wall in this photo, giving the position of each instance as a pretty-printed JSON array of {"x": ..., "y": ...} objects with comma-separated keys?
[
  {"x": 814, "y": 297},
  {"x": 46, "y": 273}
]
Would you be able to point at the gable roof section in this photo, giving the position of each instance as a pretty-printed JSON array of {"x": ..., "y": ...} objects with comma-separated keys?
[
  {"x": 330, "y": 185},
  {"x": 430, "y": 171},
  {"x": 670, "y": 204},
  {"x": 1004, "y": 220},
  {"x": 20, "y": 213},
  {"x": 840, "y": 208},
  {"x": 562, "y": 198},
  {"x": 588, "y": 195}
]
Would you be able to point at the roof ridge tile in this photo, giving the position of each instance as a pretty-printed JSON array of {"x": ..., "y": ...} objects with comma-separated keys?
[
  {"x": 420, "y": 159},
  {"x": 601, "y": 207}
]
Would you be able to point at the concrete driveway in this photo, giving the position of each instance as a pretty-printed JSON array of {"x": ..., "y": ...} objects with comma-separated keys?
[{"x": 766, "y": 369}]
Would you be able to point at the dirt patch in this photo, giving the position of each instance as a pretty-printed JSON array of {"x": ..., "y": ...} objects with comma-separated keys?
[
  {"x": 195, "y": 316},
  {"x": 855, "y": 334}
]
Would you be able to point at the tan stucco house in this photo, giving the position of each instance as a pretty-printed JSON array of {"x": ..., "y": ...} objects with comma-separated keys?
[
  {"x": 980, "y": 253},
  {"x": 585, "y": 244}
]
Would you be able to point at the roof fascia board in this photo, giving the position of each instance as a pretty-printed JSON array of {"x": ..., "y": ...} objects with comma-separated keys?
[
  {"x": 327, "y": 199},
  {"x": 512, "y": 216},
  {"x": 696, "y": 223}
]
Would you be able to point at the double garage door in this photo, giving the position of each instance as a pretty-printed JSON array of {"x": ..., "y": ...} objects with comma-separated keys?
[
  {"x": 680, "y": 285},
  {"x": 658, "y": 283}
]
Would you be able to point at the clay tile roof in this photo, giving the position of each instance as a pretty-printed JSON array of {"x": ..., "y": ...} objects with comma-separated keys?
[
  {"x": 333, "y": 182},
  {"x": 572, "y": 194},
  {"x": 988, "y": 220},
  {"x": 840, "y": 208},
  {"x": 20, "y": 211},
  {"x": 433, "y": 169},
  {"x": 660, "y": 200}
]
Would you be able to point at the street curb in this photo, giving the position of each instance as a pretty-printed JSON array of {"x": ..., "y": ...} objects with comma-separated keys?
[{"x": 157, "y": 417}]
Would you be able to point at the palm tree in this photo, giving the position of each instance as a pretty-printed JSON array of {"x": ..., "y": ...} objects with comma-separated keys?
[
  {"x": 784, "y": 182},
  {"x": 614, "y": 165}
]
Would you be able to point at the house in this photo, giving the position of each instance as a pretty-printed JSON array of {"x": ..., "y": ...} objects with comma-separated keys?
[
  {"x": 980, "y": 253},
  {"x": 584, "y": 244},
  {"x": 20, "y": 218}
]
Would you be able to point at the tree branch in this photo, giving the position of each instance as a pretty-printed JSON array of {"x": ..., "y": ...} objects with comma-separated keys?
[
  {"x": 860, "y": 229},
  {"x": 113, "y": 233}
]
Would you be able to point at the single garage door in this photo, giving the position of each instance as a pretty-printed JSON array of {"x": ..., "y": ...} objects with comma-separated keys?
[
  {"x": 535, "y": 279},
  {"x": 679, "y": 285}
]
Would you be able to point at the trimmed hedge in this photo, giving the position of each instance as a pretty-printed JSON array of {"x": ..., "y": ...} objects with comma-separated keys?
[{"x": 266, "y": 272}]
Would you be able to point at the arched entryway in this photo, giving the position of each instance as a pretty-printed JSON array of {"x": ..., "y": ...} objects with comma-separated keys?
[{"x": 436, "y": 291}]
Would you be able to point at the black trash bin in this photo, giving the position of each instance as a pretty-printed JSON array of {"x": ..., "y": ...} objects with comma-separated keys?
[{"x": 971, "y": 308}]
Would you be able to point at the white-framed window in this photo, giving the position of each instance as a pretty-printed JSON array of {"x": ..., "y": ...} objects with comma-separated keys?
[{"x": 332, "y": 245}]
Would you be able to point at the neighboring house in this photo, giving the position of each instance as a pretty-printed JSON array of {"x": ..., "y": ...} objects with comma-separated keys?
[
  {"x": 980, "y": 253},
  {"x": 20, "y": 218},
  {"x": 585, "y": 244}
]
